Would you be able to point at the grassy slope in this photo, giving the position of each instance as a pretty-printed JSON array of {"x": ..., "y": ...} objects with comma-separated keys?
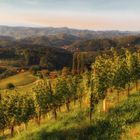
[
  {"x": 114, "y": 125},
  {"x": 18, "y": 80}
]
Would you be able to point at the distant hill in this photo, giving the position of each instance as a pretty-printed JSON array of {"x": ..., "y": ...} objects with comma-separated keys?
[
  {"x": 57, "y": 40},
  {"x": 34, "y": 51},
  {"x": 6, "y": 41},
  {"x": 53, "y": 48},
  {"x": 24, "y": 32},
  {"x": 130, "y": 42},
  {"x": 92, "y": 45}
]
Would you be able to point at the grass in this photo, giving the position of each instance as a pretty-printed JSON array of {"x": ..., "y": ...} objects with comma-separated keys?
[
  {"x": 57, "y": 129},
  {"x": 18, "y": 80},
  {"x": 132, "y": 132}
]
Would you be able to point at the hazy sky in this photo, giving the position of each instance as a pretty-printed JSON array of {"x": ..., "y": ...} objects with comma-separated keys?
[{"x": 83, "y": 14}]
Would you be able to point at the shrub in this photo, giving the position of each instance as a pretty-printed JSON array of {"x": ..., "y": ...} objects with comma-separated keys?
[
  {"x": 34, "y": 69},
  {"x": 10, "y": 86}
]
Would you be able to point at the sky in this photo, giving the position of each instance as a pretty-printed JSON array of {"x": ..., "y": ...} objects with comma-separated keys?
[{"x": 80, "y": 14}]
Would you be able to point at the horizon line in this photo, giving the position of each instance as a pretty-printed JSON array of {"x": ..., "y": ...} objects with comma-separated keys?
[{"x": 57, "y": 27}]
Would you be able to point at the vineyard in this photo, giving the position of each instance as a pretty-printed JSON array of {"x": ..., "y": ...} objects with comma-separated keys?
[{"x": 75, "y": 98}]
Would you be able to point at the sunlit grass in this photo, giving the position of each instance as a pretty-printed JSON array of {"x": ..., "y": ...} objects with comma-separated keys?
[{"x": 18, "y": 80}]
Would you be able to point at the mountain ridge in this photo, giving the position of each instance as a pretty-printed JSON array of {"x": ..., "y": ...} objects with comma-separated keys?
[{"x": 20, "y": 32}]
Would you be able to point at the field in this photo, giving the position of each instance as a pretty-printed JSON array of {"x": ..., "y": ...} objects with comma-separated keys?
[{"x": 18, "y": 80}]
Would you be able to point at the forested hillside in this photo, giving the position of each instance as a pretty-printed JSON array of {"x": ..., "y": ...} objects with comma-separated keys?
[
  {"x": 50, "y": 51},
  {"x": 130, "y": 42}
]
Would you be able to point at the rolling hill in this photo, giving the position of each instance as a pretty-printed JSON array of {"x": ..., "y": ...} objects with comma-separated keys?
[{"x": 23, "y": 32}]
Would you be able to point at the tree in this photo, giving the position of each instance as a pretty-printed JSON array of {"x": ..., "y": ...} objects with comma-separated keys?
[
  {"x": 62, "y": 90},
  {"x": 2, "y": 117},
  {"x": 10, "y": 86},
  {"x": 102, "y": 76},
  {"x": 74, "y": 65},
  {"x": 17, "y": 109},
  {"x": 26, "y": 108},
  {"x": 122, "y": 77},
  {"x": 128, "y": 59},
  {"x": 72, "y": 83},
  {"x": 34, "y": 69},
  {"x": 135, "y": 68},
  {"x": 27, "y": 57},
  {"x": 121, "y": 73},
  {"x": 83, "y": 86},
  {"x": 42, "y": 99}
]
